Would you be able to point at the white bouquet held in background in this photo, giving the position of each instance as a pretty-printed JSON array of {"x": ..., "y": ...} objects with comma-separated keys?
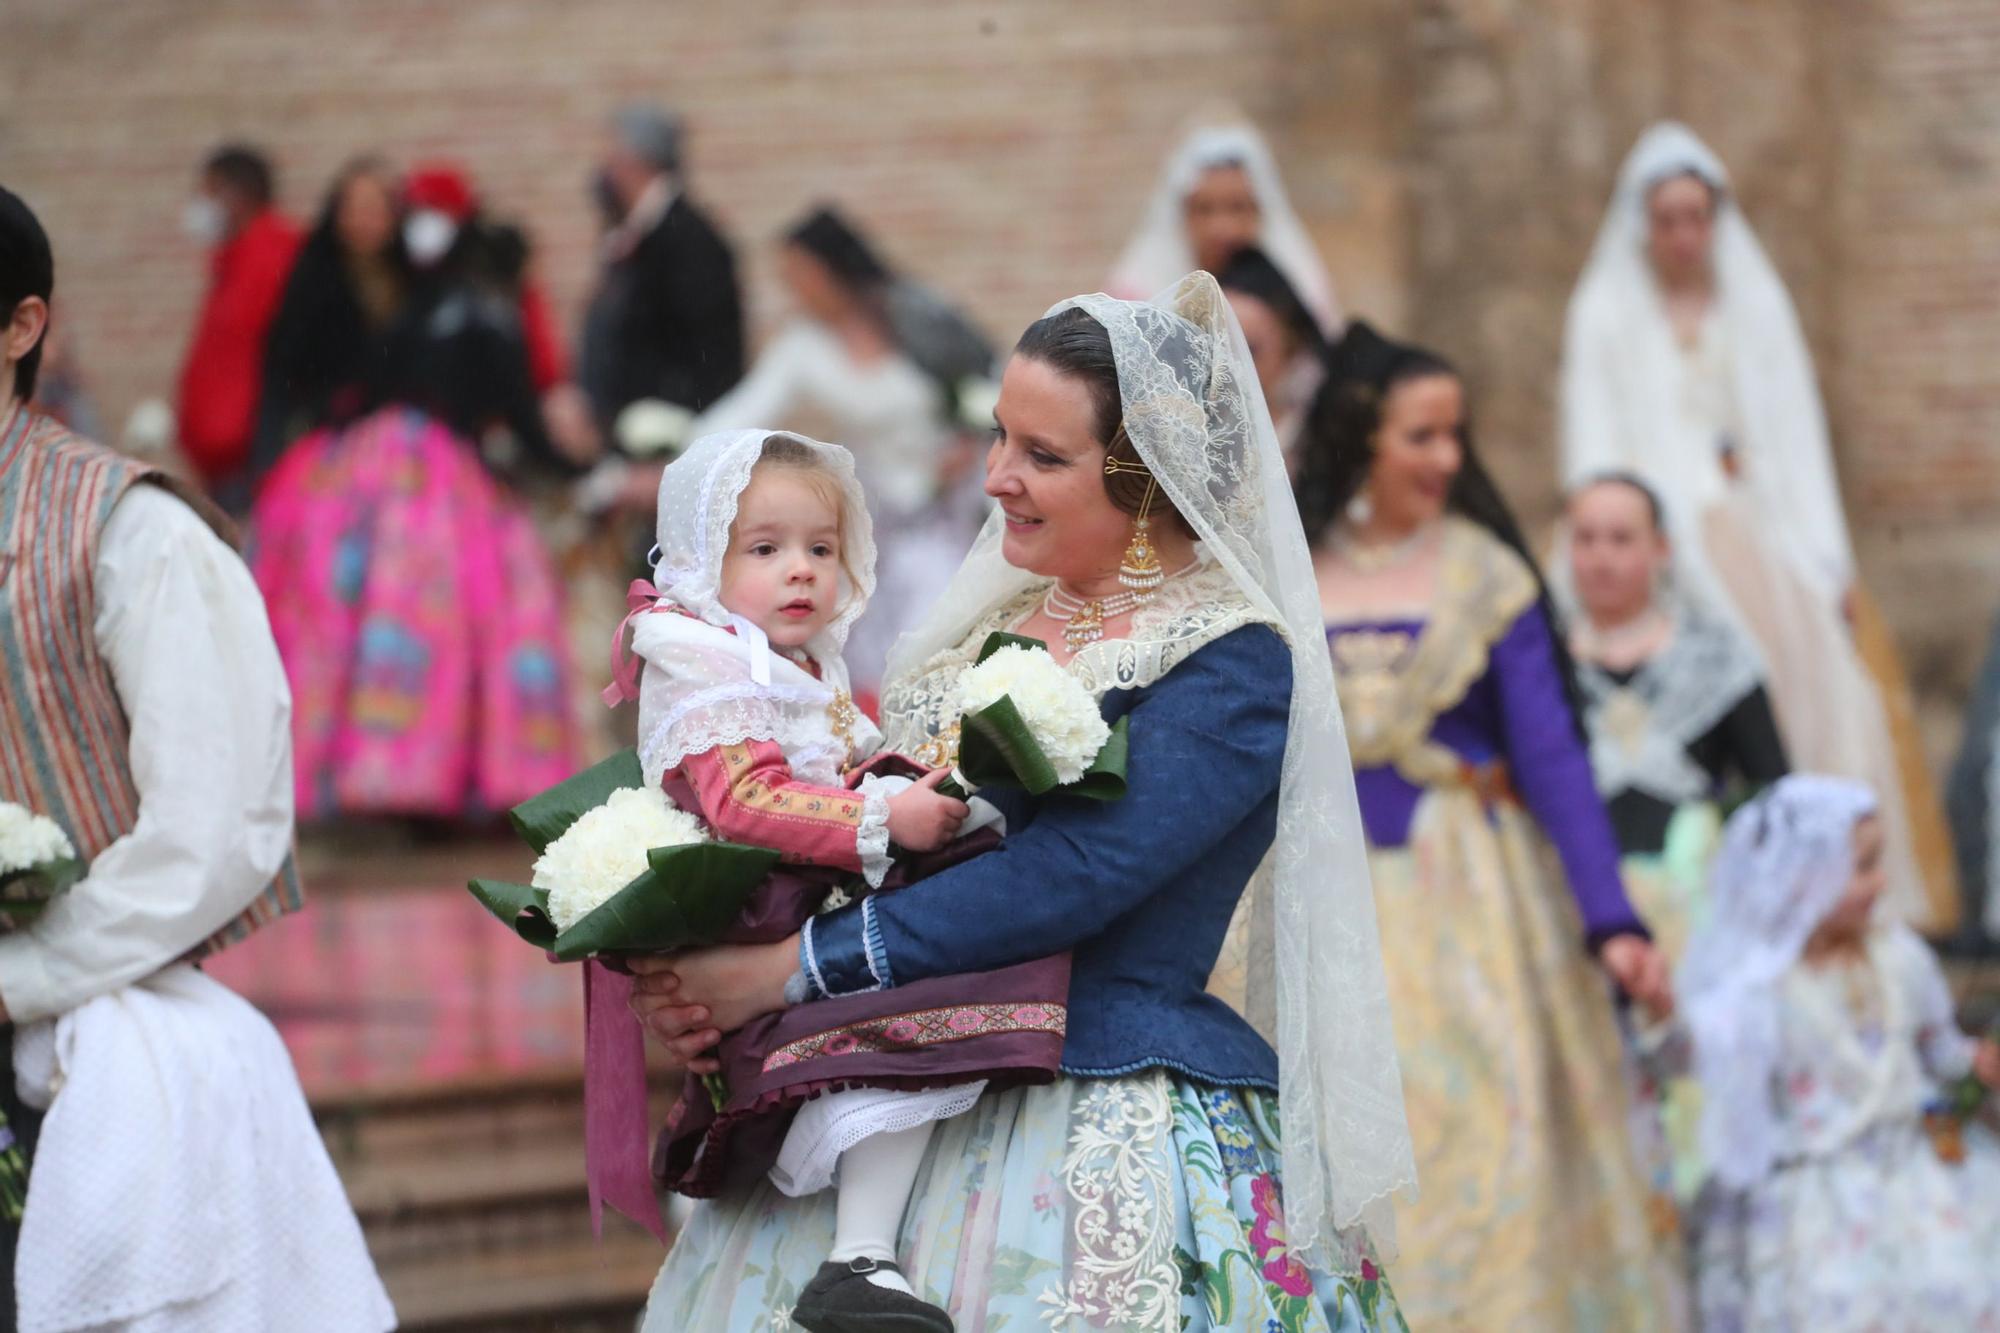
[{"x": 37, "y": 862}]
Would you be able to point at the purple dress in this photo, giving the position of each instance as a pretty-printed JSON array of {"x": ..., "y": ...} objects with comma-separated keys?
[{"x": 1513, "y": 727}]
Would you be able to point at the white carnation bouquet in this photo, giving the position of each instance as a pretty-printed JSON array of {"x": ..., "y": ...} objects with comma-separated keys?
[
  {"x": 620, "y": 869},
  {"x": 1026, "y": 722},
  {"x": 37, "y": 862}
]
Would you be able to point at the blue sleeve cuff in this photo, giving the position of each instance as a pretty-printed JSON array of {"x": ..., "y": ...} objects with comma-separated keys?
[{"x": 842, "y": 952}]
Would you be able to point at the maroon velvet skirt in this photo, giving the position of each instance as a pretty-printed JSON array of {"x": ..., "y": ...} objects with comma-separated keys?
[{"x": 1005, "y": 1026}]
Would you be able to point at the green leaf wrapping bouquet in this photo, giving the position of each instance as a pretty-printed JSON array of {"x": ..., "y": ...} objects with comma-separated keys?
[
  {"x": 620, "y": 869},
  {"x": 1026, "y": 722},
  {"x": 37, "y": 862}
]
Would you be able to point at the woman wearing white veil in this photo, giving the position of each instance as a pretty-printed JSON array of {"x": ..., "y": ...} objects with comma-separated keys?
[
  {"x": 1181, "y": 1174},
  {"x": 1684, "y": 363},
  {"x": 1218, "y": 192}
]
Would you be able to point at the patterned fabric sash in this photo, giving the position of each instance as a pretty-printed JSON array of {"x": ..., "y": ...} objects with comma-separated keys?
[{"x": 64, "y": 737}]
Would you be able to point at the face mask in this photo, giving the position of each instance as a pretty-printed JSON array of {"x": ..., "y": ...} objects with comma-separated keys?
[
  {"x": 427, "y": 235},
  {"x": 604, "y": 194},
  {"x": 203, "y": 219}
]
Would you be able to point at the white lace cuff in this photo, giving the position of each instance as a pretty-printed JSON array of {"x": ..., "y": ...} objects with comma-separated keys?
[{"x": 871, "y": 840}]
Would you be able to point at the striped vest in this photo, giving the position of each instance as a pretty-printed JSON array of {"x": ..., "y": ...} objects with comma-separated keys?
[{"x": 64, "y": 739}]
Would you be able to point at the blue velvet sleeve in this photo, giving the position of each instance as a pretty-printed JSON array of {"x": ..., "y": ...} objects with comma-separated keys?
[
  {"x": 1207, "y": 748},
  {"x": 1551, "y": 769}
]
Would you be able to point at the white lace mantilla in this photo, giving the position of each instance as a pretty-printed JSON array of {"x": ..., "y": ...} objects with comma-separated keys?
[
  {"x": 1641, "y": 731},
  {"x": 1188, "y": 613}
]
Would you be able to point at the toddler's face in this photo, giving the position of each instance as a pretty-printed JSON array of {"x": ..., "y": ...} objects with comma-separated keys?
[
  {"x": 782, "y": 569},
  {"x": 1851, "y": 915}
]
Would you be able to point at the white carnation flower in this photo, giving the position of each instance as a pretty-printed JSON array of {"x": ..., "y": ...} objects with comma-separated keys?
[
  {"x": 28, "y": 840},
  {"x": 977, "y": 397},
  {"x": 1057, "y": 710},
  {"x": 606, "y": 849},
  {"x": 652, "y": 426}
]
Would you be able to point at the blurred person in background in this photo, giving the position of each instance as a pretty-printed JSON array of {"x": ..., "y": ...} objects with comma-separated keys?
[
  {"x": 1219, "y": 192},
  {"x": 1497, "y": 883},
  {"x": 1684, "y": 364},
  {"x": 417, "y": 610},
  {"x": 878, "y": 362},
  {"x": 331, "y": 335},
  {"x": 251, "y": 250},
  {"x": 1285, "y": 340},
  {"x": 666, "y": 320},
  {"x": 1972, "y": 799}
]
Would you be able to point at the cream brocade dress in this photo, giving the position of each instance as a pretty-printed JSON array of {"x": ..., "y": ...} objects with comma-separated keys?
[{"x": 1535, "y": 1212}]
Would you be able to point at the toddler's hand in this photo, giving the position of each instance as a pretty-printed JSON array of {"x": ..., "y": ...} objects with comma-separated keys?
[
  {"x": 1986, "y": 1063},
  {"x": 921, "y": 819}
]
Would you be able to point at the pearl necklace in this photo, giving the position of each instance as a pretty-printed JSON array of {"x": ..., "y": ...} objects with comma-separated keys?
[
  {"x": 1083, "y": 619},
  {"x": 1388, "y": 555}
]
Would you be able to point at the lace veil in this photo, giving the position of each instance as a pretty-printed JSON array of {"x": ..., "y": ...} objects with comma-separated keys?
[
  {"x": 1197, "y": 418},
  {"x": 1159, "y": 252},
  {"x": 1786, "y": 858},
  {"x": 713, "y": 679}
]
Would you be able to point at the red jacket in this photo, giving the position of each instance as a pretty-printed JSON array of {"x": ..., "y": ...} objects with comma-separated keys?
[{"x": 225, "y": 362}]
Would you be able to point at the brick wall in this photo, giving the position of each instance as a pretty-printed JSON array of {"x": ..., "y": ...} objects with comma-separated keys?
[{"x": 1452, "y": 157}]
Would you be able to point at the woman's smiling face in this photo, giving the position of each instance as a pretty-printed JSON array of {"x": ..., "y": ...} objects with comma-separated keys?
[{"x": 1046, "y": 470}]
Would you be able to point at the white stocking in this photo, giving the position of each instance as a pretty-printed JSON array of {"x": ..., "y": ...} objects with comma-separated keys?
[{"x": 876, "y": 1176}]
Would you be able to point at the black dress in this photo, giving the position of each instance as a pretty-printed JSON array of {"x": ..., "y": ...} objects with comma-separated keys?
[
  {"x": 667, "y": 319},
  {"x": 1692, "y": 723}
]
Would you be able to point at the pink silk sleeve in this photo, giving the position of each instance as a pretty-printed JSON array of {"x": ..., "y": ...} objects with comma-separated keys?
[{"x": 747, "y": 794}]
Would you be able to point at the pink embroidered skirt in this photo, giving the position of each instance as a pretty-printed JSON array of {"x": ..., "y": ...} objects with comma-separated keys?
[{"x": 420, "y": 622}]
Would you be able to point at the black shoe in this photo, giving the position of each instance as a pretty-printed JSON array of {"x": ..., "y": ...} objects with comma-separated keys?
[{"x": 841, "y": 1299}]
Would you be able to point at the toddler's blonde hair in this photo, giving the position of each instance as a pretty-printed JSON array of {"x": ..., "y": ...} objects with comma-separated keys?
[{"x": 782, "y": 451}]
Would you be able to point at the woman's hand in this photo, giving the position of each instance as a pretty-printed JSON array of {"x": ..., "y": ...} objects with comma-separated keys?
[
  {"x": 1641, "y": 971},
  {"x": 922, "y": 819},
  {"x": 1986, "y": 1063},
  {"x": 688, "y": 1000}
]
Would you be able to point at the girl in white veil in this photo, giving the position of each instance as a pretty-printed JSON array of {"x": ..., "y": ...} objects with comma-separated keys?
[
  {"x": 1219, "y": 190},
  {"x": 1684, "y": 363},
  {"x": 1822, "y": 1032}
]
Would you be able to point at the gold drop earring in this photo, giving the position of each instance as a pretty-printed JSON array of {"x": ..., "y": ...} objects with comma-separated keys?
[{"x": 1140, "y": 569}]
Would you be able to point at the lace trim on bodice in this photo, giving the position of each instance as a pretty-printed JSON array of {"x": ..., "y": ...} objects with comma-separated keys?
[
  {"x": 1186, "y": 615},
  {"x": 1394, "y": 685}
]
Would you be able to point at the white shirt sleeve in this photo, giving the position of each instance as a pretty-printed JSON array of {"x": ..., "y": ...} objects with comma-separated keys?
[
  {"x": 182, "y": 626},
  {"x": 770, "y": 393}
]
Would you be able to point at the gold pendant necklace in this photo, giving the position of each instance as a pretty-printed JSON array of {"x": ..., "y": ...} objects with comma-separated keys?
[{"x": 1083, "y": 619}]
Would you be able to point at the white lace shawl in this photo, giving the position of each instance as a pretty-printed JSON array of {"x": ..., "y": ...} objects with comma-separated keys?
[
  {"x": 1679, "y": 694},
  {"x": 1785, "y": 861},
  {"x": 1196, "y": 417}
]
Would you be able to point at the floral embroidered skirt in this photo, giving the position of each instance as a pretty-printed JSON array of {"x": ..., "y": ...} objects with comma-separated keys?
[
  {"x": 1146, "y": 1202},
  {"x": 420, "y": 622},
  {"x": 1882, "y": 1237},
  {"x": 1534, "y": 1210}
]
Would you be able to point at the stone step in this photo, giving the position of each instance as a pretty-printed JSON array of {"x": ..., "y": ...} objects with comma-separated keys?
[{"x": 472, "y": 1199}]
